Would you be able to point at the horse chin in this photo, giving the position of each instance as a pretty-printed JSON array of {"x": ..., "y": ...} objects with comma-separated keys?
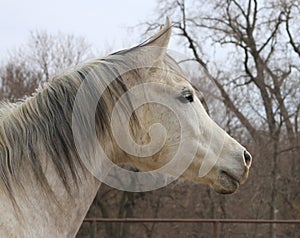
[{"x": 225, "y": 184}]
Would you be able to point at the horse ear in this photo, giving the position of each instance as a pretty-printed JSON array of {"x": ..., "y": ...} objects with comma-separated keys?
[
  {"x": 152, "y": 53},
  {"x": 162, "y": 38}
]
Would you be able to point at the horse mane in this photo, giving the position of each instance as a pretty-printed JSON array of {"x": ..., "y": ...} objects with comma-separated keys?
[{"x": 40, "y": 126}]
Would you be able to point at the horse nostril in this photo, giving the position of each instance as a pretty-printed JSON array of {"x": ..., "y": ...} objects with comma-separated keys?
[{"x": 247, "y": 158}]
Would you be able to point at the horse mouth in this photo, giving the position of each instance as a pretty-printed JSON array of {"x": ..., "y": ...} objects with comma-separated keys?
[{"x": 226, "y": 183}]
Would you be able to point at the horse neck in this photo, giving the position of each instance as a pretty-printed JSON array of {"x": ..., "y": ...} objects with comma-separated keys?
[
  {"x": 36, "y": 212},
  {"x": 42, "y": 216}
]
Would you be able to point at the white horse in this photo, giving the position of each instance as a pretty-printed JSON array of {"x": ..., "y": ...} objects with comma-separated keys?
[{"x": 47, "y": 183}]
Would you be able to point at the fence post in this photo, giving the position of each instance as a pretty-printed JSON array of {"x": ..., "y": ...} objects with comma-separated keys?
[
  {"x": 93, "y": 229},
  {"x": 216, "y": 229}
]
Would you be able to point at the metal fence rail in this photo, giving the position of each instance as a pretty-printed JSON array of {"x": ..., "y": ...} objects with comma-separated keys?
[{"x": 215, "y": 222}]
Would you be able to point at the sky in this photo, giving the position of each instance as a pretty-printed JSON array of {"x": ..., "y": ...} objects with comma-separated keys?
[{"x": 103, "y": 23}]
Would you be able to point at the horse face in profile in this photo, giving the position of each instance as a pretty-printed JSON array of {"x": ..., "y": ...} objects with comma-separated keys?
[{"x": 177, "y": 135}]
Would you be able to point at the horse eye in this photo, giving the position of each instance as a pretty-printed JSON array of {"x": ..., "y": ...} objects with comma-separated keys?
[
  {"x": 190, "y": 98},
  {"x": 186, "y": 96}
]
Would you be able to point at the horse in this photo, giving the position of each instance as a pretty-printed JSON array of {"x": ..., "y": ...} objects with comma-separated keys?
[{"x": 50, "y": 169}]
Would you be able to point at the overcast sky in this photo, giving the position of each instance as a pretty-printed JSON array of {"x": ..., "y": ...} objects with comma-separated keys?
[{"x": 101, "y": 22}]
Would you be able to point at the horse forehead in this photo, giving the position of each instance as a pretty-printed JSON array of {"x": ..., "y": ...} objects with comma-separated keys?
[
  {"x": 179, "y": 81},
  {"x": 171, "y": 77}
]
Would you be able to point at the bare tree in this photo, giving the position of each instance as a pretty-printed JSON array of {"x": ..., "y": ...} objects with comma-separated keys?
[
  {"x": 256, "y": 74},
  {"x": 50, "y": 53},
  {"x": 36, "y": 62}
]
